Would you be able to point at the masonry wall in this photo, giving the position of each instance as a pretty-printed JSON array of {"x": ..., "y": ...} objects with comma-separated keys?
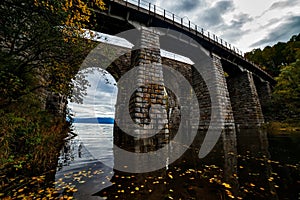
[
  {"x": 239, "y": 101},
  {"x": 174, "y": 112},
  {"x": 264, "y": 92},
  {"x": 244, "y": 100},
  {"x": 225, "y": 149},
  {"x": 145, "y": 100}
]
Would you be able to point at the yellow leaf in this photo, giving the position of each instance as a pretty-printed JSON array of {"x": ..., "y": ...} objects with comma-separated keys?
[
  {"x": 226, "y": 185},
  {"x": 271, "y": 179},
  {"x": 21, "y": 190}
]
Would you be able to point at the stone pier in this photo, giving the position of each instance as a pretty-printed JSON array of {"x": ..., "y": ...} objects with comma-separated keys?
[
  {"x": 147, "y": 104},
  {"x": 245, "y": 100},
  {"x": 264, "y": 92}
]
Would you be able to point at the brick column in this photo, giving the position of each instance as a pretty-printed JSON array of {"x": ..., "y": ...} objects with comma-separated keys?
[
  {"x": 223, "y": 94},
  {"x": 147, "y": 108},
  {"x": 224, "y": 152},
  {"x": 245, "y": 101},
  {"x": 228, "y": 136},
  {"x": 264, "y": 92},
  {"x": 147, "y": 105}
]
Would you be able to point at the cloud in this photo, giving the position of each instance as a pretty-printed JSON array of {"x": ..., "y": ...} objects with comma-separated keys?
[
  {"x": 240, "y": 20},
  {"x": 208, "y": 15},
  {"x": 235, "y": 29},
  {"x": 213, "y": 16},
  {"x": 281, "y": 33},
  {"x": 182, "y": 6},
  {"x": 106, "y": 86},
  {"x": 189, "y": 5},
  {"x": 101, "y": 96},
  {"x": 283, "y": 4}
]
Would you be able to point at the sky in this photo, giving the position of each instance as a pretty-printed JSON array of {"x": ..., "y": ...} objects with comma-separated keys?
[
  {"x": 100, "y": 99},
  {"x": 246, "y": 24}
]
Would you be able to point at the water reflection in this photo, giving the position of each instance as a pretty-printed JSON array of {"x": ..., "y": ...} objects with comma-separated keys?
[
  {"x": 256, "y": 168},
  {"x": 220, "y": 175},
  {"x": 81, "y": 161}
]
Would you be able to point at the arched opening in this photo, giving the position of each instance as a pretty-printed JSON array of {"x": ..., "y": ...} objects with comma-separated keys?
[{"x": 93, "y": 115}]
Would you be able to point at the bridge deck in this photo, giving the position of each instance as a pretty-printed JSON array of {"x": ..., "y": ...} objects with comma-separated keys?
[{"x": 152, "y": 15}]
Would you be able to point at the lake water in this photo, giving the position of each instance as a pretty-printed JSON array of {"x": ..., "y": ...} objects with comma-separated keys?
[{"x": 263, "y": 167}]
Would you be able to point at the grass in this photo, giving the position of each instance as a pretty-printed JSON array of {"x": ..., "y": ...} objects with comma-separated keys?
[
  {"x": 282, "y": 127},
  {"x": 30, "y": 141}
]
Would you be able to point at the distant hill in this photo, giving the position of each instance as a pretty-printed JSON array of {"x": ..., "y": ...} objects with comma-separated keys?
[{"x": 97, "y": 120}]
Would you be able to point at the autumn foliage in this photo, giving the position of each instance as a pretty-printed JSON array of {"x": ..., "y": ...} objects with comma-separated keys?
[
  {"x": 41, "y": 51},
  {"x": 283, "y": 62}
]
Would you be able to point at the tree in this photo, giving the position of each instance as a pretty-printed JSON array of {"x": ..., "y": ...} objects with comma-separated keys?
[
  {"x": 273, "y": 58},
  {"x": 37, "y": 38},
  {"x": 40, "y": 52},
  {"x": 286, "y": 95},
  {"x": 283, "y": 62}
]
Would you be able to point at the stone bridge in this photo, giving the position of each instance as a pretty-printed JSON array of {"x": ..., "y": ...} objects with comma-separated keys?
[
  {"x": 238, "y": 91},
  {"x": 241, "y": 90}
]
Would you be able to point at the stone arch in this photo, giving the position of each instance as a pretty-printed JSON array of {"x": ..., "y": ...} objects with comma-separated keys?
[{"x": 120, "y": 66}]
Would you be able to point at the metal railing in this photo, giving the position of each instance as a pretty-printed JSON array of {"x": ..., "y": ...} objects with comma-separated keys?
[{"x": 184, "y": 22}]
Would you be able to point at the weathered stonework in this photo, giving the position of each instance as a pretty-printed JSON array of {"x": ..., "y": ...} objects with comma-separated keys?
[
  {"x": 240, "y": 91},
  {"x": 223, "y": 94},
  {"x": 173, "y": 107},
  {"x": 148, "y": 94},
  {"x": 226, "y": 146},
  {"x": 264, "y": 92},
  {"x": 245, "y": 101},
  {"x": 56, "y": 104}
]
